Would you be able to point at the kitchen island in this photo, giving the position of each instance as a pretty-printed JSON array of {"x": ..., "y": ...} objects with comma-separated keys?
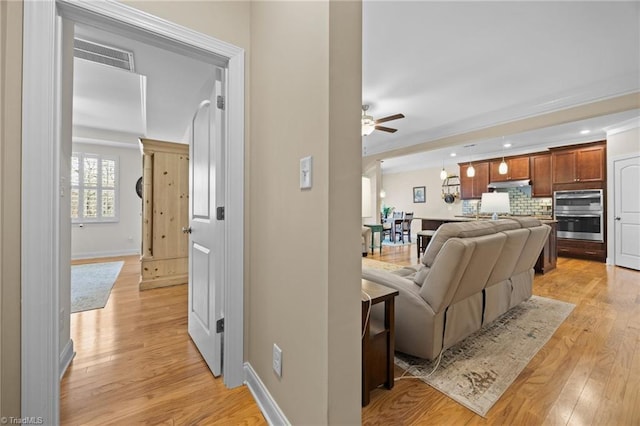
[{"x": 548, "y": 256}]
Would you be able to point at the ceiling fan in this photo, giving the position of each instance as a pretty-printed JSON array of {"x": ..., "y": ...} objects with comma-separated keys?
[{"x": 369, "y": 124}]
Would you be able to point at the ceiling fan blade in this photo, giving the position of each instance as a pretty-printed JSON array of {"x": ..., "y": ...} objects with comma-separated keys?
[
  {"x": 386, "y": 129},
  {"x": 389, "y": 118}
]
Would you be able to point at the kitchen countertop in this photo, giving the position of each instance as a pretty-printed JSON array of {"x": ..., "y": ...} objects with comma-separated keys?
[{"x": 468, "y": 218}]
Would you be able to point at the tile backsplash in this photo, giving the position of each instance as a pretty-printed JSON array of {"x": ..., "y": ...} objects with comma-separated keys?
[{"x": 521, "y": 203}]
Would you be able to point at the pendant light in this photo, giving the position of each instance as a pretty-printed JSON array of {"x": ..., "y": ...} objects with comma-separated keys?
[
  {"x": 471, "y": 172},
  {"x": 443, "y": 172},
  {"x": 503, "y": 168}
]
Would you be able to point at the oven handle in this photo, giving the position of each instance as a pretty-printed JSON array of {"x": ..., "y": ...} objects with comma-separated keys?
[{"x": 577, "y": 215}]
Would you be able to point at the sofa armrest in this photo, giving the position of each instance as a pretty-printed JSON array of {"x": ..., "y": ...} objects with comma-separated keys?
[{"x": 409, "y": 291}]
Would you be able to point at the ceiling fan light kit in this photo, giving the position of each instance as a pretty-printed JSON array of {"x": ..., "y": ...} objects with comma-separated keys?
[{"x": 369, "y": 124}]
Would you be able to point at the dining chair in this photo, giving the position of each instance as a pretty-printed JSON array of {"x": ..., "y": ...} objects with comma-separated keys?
[{"x": 406, "y": 226}]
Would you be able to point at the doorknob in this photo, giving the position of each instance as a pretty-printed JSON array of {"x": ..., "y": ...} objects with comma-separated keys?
[
  {"x": 618, "y": 218},
  {"x": 186, "y": 230}
]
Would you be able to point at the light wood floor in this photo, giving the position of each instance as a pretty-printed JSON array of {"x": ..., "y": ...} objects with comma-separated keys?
[
  {"x": 136, "y": 364},
  {"x": 587, "y": 374}
]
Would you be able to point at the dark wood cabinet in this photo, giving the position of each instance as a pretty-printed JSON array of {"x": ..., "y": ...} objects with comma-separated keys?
[
  {"x": 549, "y": 254},
  {"x": 579, "y": 165},
  {"x": 582, "y": 249},
  {"x": 540, "y": 165},
  {"x": 517, "y": 169},
  {"x": 473, "y": 187}
]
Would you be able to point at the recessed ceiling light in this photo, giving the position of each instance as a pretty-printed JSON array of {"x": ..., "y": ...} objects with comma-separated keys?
[
  {"x": 585, "y": 132},
  {"x": 507, "y": 145},
  {"x": 453, "y": 154}
]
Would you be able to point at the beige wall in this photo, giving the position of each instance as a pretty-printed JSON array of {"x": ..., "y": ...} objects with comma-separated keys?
[
  {"x": 303, "y": 82},
  {"x": 10, "y": 147},
  {"x": 303, "y": 88},
  {"x": 399, "y": 189},
  {"x": 626, "y": 142}
]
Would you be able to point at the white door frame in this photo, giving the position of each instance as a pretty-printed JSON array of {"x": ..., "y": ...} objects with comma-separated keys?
[
  {"x": 40, "y": 239},
  {"x": 611, "y": 205}
]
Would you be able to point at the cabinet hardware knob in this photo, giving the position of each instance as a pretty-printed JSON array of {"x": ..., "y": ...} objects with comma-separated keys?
[{"x": 186, "y": 230}]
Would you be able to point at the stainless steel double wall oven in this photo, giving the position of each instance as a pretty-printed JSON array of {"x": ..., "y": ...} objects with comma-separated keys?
[{"x": 580, "y": 214}]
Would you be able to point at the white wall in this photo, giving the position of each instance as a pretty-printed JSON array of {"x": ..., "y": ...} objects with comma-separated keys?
[
  {"x": 123, "y": 237},
  {"x": 624, "y": 142},
  {"x": 399, "y": 189}
]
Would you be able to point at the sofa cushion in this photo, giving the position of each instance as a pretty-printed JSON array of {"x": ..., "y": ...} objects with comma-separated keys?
[{"x": 453, "y": 230}]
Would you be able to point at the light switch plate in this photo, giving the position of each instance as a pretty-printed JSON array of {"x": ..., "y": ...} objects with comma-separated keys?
[{"x": 306, "y": 167}]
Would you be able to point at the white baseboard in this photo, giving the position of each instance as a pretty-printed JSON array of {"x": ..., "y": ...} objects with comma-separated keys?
[
  {"x": 270, "y": 410},
  {"x": 66, "y": 356},
  {"x": 99, "y": 254}
]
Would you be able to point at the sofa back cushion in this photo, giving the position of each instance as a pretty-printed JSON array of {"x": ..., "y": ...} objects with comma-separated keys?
[
  {"x": 531, "y": 251},
  {"x": 443, "y": 277},
  {"x": 454, "y": 230},
  {"x": 487, "y": 251},
  {"x": 503, "y": 269}
]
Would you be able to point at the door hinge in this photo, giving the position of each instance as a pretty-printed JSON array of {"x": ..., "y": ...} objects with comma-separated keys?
[
  {"x": 220, "y": 102},
  {"x": 220, "y": 325},
  {"x": 220, "y": 213}
]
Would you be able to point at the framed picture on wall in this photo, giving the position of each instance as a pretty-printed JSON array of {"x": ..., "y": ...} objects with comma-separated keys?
[{"x": 419, "y": 194}]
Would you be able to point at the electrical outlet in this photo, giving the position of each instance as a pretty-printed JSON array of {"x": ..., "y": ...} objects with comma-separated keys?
[{"x": 277, "y": 360}]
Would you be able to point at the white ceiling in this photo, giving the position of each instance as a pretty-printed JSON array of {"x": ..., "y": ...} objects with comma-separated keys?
[
  {"x": 456, "y": 67},
  {"x": 449, "y": 67},
  {"x": 109, "y": 106}
]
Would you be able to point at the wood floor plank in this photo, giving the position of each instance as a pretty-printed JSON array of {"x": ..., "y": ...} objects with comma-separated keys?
[
  {"x": 135, "y": 364},
  {"x": 595, "y": 352}
]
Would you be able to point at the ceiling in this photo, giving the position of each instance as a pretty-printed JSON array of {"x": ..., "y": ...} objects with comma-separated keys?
[
  {"x": 477, "y": 73},
  {"x": 461, "y": 73},
  {"x": 117, "y": 106}
]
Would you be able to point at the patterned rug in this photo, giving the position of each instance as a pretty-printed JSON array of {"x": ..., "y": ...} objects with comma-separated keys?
[
  {"x": 377, "y": 264},
  {"x": 478, "y": 370},
  {"x": 91, "y": 284}
]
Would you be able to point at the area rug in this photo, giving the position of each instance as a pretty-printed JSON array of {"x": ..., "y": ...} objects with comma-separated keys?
[
  {"x": 396, "y": 244},
  {"x": 91, "y": 284},
  {"x": 478, "y": 370},
  {"x": 377, "y": 264}
]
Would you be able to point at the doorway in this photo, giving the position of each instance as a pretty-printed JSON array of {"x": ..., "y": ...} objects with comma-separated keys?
[{"x": 41, "y": 183}]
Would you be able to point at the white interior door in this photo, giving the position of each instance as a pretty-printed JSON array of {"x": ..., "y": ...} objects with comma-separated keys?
[
  {"x": 207, "y": 236},
  {"x": 627, "y": 212}
]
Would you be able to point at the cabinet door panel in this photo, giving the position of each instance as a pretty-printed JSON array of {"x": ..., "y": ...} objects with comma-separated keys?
[
  {"x": 541, "y": 176},
  {"x": 564, "y": 169},
  {"x": 494, "y": 174},
  {"x": 518, "y": 168},
  {"x": 466, "y": 183},
  {"x": 590, "y": 164},
  {"x": 481, "y": 179}
]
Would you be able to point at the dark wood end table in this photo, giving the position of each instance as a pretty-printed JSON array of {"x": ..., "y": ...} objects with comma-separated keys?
[{"x": 378, "y": 339}]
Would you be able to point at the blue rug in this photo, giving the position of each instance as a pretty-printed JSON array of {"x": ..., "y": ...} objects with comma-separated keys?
[
  {"x": 397, "y": 243},
  {"x": 91, "y": 284}
]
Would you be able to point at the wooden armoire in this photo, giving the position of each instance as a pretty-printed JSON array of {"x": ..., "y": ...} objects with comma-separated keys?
[{"x": 165, "y": 211}]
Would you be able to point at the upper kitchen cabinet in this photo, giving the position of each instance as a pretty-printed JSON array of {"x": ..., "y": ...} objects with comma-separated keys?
[
  {"x": 541, "y": 175},
  {"x": 473, "y": 187},
  {"x": 579, "y": 164},
  {"x": 517, "y": 169}
]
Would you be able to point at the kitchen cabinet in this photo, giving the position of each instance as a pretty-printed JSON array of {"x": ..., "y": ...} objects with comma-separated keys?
[
  {"x": 582, "y": 249},
  {"x": 549, "y": 254},
  {"x": 540, "y": 165},
  {"x": 165, "y": 210},
  {"x": 579, "y": 164},
  {"x": 517, "y": 169},
  {"x": 473, "y": 187}
]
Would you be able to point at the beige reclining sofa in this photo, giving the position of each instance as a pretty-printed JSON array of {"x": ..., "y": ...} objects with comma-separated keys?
[{"x": 470, "y": 273}]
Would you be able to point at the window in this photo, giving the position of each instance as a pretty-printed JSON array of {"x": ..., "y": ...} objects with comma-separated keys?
[{"x": 94, "y": 188}]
